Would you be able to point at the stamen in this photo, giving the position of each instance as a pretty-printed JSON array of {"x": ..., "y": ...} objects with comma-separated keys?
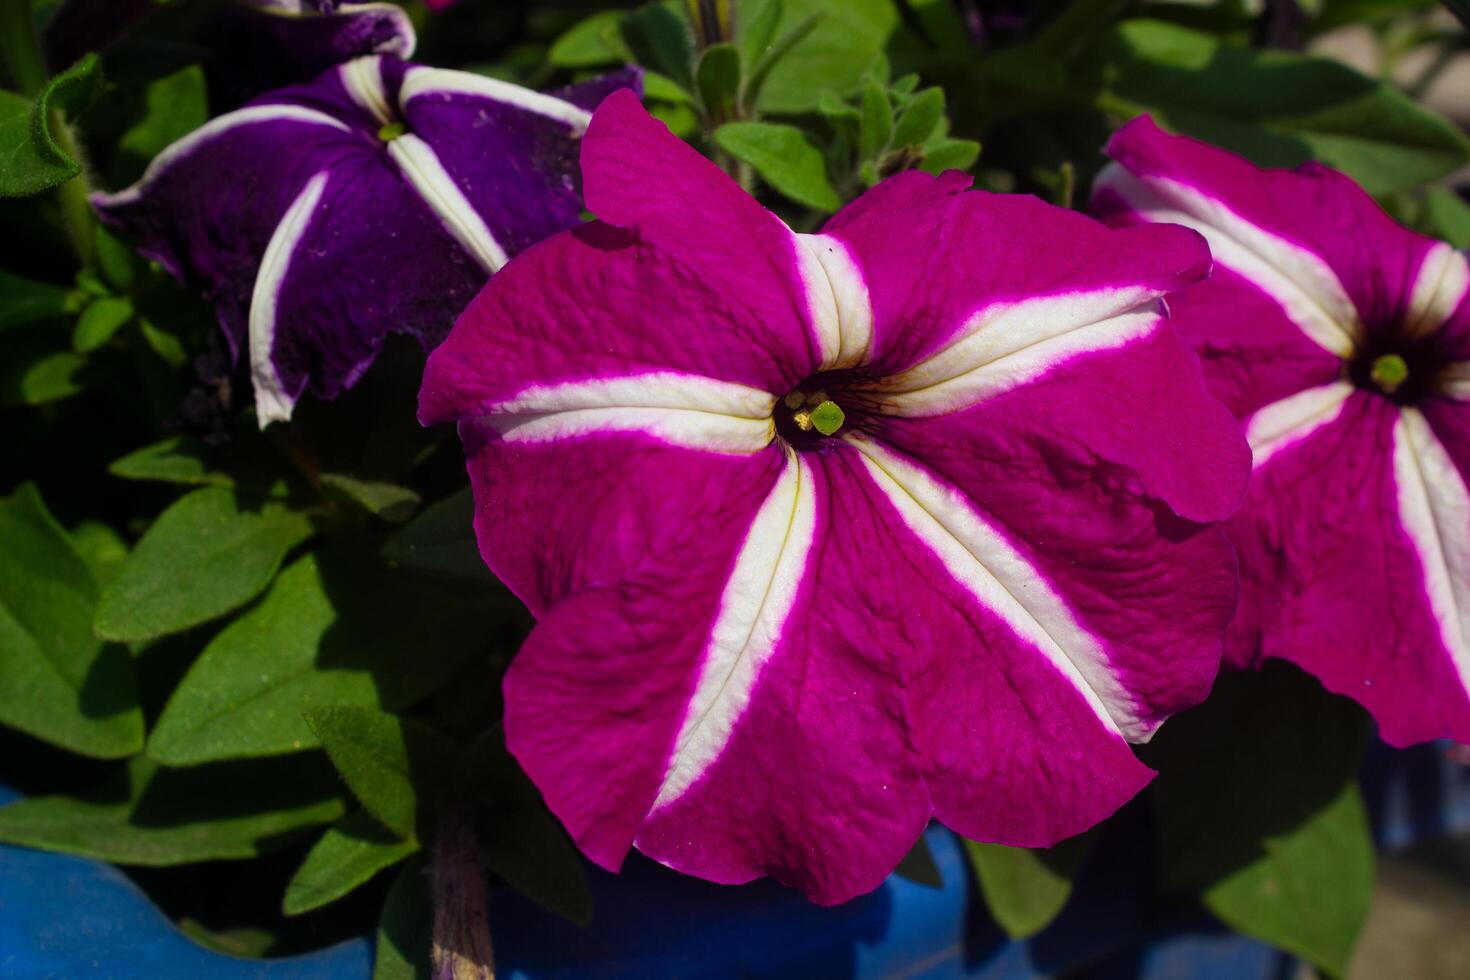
[
  {"x": 391, "y": 131},
  {"x": 803, "y": 420},
  {"x": 1389, "y": 372}
]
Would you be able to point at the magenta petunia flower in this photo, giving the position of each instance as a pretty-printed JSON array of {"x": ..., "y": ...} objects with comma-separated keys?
[
  {"x": 1343, "y": 341},
  {"x": 830, "y": 533},
  {"x": 375, "y": 199}
]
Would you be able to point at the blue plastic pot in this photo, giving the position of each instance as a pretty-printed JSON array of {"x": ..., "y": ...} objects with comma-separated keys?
[{"x": 65, "y": 917}]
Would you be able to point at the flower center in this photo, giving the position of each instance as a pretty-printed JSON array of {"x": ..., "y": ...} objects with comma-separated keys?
[
  {"x": 806, "y": 417},
  {"x": 1403, "y": 369},
  {"x": 391, "y": 131}
]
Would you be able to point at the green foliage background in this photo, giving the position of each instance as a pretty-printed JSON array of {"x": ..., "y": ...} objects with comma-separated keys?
[{"x": 281, "y": 649}]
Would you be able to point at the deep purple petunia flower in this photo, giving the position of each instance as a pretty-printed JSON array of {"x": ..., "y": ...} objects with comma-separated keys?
[
  {"x": 831, "y": 533},
  {"x": 1343, "y": 340},
  {"x": 377, "y": 198}
]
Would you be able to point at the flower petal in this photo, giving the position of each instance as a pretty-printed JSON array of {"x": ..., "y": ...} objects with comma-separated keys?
[
  {"x": 639, "y": 176},
  {"x": 1310, "y": 238},
  {"x": 1149, "y": 593},
  {"x": 954, "y": 284},
  {"x": 594, "y": 305},
  {"x": 1348, "y": 555}
]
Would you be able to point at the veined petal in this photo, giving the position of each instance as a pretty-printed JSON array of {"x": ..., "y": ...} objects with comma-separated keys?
[
  {"x": 1440, "y": 287},
  {"x": 1454, "y": 381},
  {"x": 1305, "y": 286},
  {"x": 841, "y": 310},
  {"x": 1001, "y": 580},
  {"x": 1434, "y": 508},
  {"x": 362, "y": 78},
  {"x": 420, "y": 82},
  {"x": 1345, "y": 552},
  {"x": 757, "y": 599},
  {"x": 939, "y": 264},
  {"x": 1011, "y": 344},
  {"x": 273, "y": 402},
  {"x": 1290, "y": 420},
  {"x": 424, "y": 172},
  {"x": 684, "y": 410}
]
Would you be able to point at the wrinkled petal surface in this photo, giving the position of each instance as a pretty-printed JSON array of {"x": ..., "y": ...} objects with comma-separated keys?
[
  {"x": 327, "y": 215},
  {"x": 758, "y": 659}
]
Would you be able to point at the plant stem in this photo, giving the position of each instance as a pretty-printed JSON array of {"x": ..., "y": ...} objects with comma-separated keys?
[{"x": 22, "y": 47}]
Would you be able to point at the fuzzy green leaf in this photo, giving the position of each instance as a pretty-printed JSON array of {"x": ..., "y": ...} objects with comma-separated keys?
[
  {"x": 877, "y": 125},
  {"x": 173, "y": 107},
  {"x": 40, "y": 375},
  {"x": 1449, "y": 215},
  {"x": 920, "y": 119},
  {"x": 24, "y": 301},
  {"x": 211, "y": 552},
  {"x": 178, "y": 459},
  {"x": 57, "y": 681},
  {"x": 391, "y": 502},
  {"x": 31, "y": 159},
  {"x": 395, "y": 767},
  {"x": 718, "y": 80},
  {"x": 831, "y": 52},
  {"x": 950, "y": 155},
  {"x": 347, "y": 856},
  {"x": 334, "y": 629},
  {"x": 159, "y": 817},
  {"x": 441, "y": 541},
  {"x": 785, "y": 157}
]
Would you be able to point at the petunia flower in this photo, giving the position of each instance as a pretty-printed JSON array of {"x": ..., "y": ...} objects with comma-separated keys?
[
  {"x": 1343, "y": 342},
  {"x": 831, "y": 533},
  {"x": 313, "y": 35},
  {"x": 377, "y": 198}
]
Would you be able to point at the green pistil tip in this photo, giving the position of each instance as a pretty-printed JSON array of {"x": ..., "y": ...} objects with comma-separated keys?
[
  {"x": 827, "y": 418},
  {"x": 1389, "y": 372},
  {"x": 391, "y": 131}
]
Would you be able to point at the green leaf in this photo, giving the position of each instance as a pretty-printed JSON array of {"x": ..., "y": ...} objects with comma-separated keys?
[
  {"x": 115, "y": 260},
  {"x": 163, "y": 343},
  {"x": 833, "y": 53},
  {"x": 590, "y": 43},
  {"x": 102, "y": 548},
  {"x": 658, "y": 36},
  {"x": 877, "y": 125},
  {"x": 99, "y": 321},
  {"x": 1309, "y": 894},
  {"x": 758, "y": 71},
  {"x": 57, "y": 681},
  {"x": 441, "y": 541},
  {"x": 173, "y": 107},
  {"x": 160, "y": 817},
  {"x": 389, "y": 501},
  {"x": 405, "y": 927},
  {"x": 757, "y": 29},
  {"x": 519, "y": 838},
  {"x": 39, "y": 376},
  {"x": 1277, "y": 107},
  {"x": 920, "y": 119},
  {"x": 32, "y": 160},
  {"x": 346, "y": 857},
  {"x": 785, "y": 157},
  {"x": 1449, "y": 215},
  {"x": 395, "y": 767},
  {"x": 178, "y": 459},
  {"x": 1026, "y": 889},
  {"x": 211, "y": 552},
  {"x": 718, "y": 80},
  {"x": 335, "y": 629},
  {"x": 950, "y": 155},
  {"x": 1267, "y": 758},
  {"x": 24, "y": 301}
]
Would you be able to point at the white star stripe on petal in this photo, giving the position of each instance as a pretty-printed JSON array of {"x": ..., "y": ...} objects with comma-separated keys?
[
  {"x": 427, "y": 176},
  {"x": 1287, "y": 422},
  {"x": 1454, "y": 381},
  {"x": 1008, "y": 344},
  {"x": 272, "y": 402},
  {"x": 1439, "y": 288},
  {"x": 754, "y": 607},
  {"x": 212, "y": 130},
  {"x": 984, "y": 563},
  {"x": 681, "y": 409},
  {"x": 1299, "y": 280},
  {"x": 419, "y": 82},
  {"x": 838, "y": 301},
  {"x": 1434, "y": 509},
  {"x": 363, "y": 80}
]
